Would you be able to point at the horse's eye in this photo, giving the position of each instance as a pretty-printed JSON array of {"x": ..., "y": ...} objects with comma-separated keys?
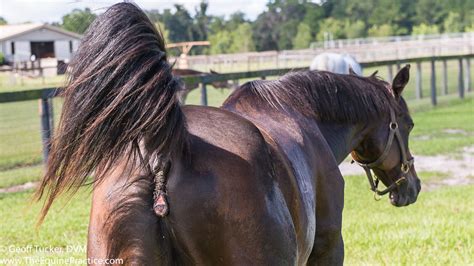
[{"x": 411, "y": 126}]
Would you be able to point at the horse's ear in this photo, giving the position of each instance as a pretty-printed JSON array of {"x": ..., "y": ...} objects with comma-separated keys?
[
  {"x": 351, "y": 71},
  {"x": 212, "y": 71},
  {"x": 374, "y": 74},
  {"x": 401, "y": 80}
]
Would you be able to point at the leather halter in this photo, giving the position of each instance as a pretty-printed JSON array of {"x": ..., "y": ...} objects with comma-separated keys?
[{"x": 405, "y": 166}]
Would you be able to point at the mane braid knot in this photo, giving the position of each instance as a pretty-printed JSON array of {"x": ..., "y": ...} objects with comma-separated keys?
[{"x": 160, "y": 202}]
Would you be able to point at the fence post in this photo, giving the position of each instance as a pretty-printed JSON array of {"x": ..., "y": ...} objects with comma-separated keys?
[
  {"x": 390, "y": 73},
  {"x": 47, "y": 124},
  {"x": 433, "y": 82},
  {"x": 419, "y": 91},
  {"x": 460, "y": 79},
  {"x": 203, "y": 94},
  {"x": 468, "y": 74},
  {"x": 445, "y": 77}
]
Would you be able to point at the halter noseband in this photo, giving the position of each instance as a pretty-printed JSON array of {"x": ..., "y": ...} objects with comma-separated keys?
[{"x": 406, "y": 163}]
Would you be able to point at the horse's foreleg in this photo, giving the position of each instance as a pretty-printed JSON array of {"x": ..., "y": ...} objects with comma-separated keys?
[
  {"x": 328, "y": 246},
  {"x": 122, "y": 223}
]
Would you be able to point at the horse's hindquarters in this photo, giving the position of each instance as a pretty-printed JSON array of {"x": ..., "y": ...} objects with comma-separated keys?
[{"x": 229, "y": 213}]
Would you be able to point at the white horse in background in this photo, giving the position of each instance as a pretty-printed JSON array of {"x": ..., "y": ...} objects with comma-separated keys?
[{"x": 336, "y": 63}]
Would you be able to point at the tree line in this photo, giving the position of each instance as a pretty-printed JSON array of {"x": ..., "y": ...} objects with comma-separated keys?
[{"x": 294, "y": 24}]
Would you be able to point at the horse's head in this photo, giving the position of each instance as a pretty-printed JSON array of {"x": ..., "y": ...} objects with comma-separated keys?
[{"x": 385, "y": 151}]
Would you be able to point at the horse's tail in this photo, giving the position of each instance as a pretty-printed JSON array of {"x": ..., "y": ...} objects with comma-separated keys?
[{"x": 120, "y": 92}]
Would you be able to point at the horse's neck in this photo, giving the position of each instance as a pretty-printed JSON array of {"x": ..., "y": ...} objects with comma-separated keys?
[{"x": 342, "y": 139}]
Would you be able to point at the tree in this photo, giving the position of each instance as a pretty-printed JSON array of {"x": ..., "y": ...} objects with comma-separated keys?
[
  {"x": 220, "y": 42},
  {"x": 78, "y": 20},
  {"x": 453, "y": 23},
  {"x": 314, "y": 13},
  {"x": 286, "y": 34},
  {"x": 424, "y": 29},
  {"x": 382, "y": 31},
  {"x": 331, "y": 27},
  {"x": 242, "y": 39},
  {"x": 179, "y": 24},
  {"x": 236, "y": 41},
  {"x": 355, "y": 29},
  {"x": 303, "y": 37},
  {"x": 161, "y": 27},
  {"x": 429, "y": 12},
  {"x": 3, "y": 21},
  {"x": 264, "y": 34}
]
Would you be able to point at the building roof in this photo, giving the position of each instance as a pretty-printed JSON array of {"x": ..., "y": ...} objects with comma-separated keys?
[{"x": 10, "y": 31}]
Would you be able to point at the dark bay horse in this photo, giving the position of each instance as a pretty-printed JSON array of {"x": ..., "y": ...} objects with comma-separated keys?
[{"x": 255, "y": 182}]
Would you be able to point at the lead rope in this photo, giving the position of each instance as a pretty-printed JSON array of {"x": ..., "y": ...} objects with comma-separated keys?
[{"x": 160, "y": 202}]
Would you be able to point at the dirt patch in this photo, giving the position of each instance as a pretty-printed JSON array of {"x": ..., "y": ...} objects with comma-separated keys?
[
  {"x": 458, "y": 169},
  {"x": 19, "y": 188},
  {"x": 455, "y": 131}
]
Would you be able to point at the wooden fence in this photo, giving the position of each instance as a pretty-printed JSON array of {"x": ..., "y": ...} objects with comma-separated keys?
[
  {"x": 46, "y": 108},
  {"x": 363, "y": 50}
]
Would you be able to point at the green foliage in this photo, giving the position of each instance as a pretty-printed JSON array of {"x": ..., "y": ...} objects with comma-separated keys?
[
  {"x": 242, "y": 39},
  {"x": 303, "y": 37},
  {"x": 179, "y": 24},
  {"x": 236, "y": 41},
  {"x": 424, "y": 29},
  {"x": 220, "y": 42},
  {"x": 2, "y": 58},
  {"x": 285, "y": 23},
  {"x": 355, "y": 29},
  {"x": 469, "y": 28},
  {"x": 166, "y": 33},
  {"x": 3, "y": 21},
  {"x": 382, "y": 31},
  {"x": 331, "y": 28},
  {"x": 453, "y": 23},
  {"x": 429, "y": 12},
  {"x": 78, "y": 20}
]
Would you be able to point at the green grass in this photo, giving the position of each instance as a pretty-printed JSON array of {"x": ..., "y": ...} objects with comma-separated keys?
[
  {"x": 11, "y": 82},
  {"x": 21, "y": 175},
  {"x": 65, "y": 227},
  {"x": 444, "y": 129},
  {"x": 436, "y": 230}
]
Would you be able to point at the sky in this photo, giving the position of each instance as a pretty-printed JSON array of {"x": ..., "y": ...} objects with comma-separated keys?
[{"x": 18, "y": 11}]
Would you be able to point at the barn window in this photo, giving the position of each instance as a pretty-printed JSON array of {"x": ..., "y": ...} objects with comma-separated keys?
[
  {"x": 70, "y": 47},
  {"x": 13, "y": 47}
]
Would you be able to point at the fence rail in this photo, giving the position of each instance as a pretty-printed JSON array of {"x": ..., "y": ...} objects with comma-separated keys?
[
  {"x": 366, "y": 50},
  {"x": 464, "y": 81}
]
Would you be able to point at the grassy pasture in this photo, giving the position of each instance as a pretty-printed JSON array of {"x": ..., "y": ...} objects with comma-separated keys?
[{"x": 437, "y": 230}]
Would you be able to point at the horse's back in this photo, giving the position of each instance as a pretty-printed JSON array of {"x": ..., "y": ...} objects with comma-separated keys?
[
  {"x": 336, "y": 63},
  {"x": 225, "y": 206}
]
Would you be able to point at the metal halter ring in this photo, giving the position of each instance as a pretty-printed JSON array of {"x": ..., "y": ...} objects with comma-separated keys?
[
  {"x": 405, "y": 168},
  {"x": 393, "y": 125}
]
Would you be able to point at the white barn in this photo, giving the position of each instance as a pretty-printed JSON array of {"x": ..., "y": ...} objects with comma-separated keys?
[{"x": 20, "y": 42}]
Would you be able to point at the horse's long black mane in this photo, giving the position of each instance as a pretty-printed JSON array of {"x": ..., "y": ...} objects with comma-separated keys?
[{"x": 323, "y": 95}]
